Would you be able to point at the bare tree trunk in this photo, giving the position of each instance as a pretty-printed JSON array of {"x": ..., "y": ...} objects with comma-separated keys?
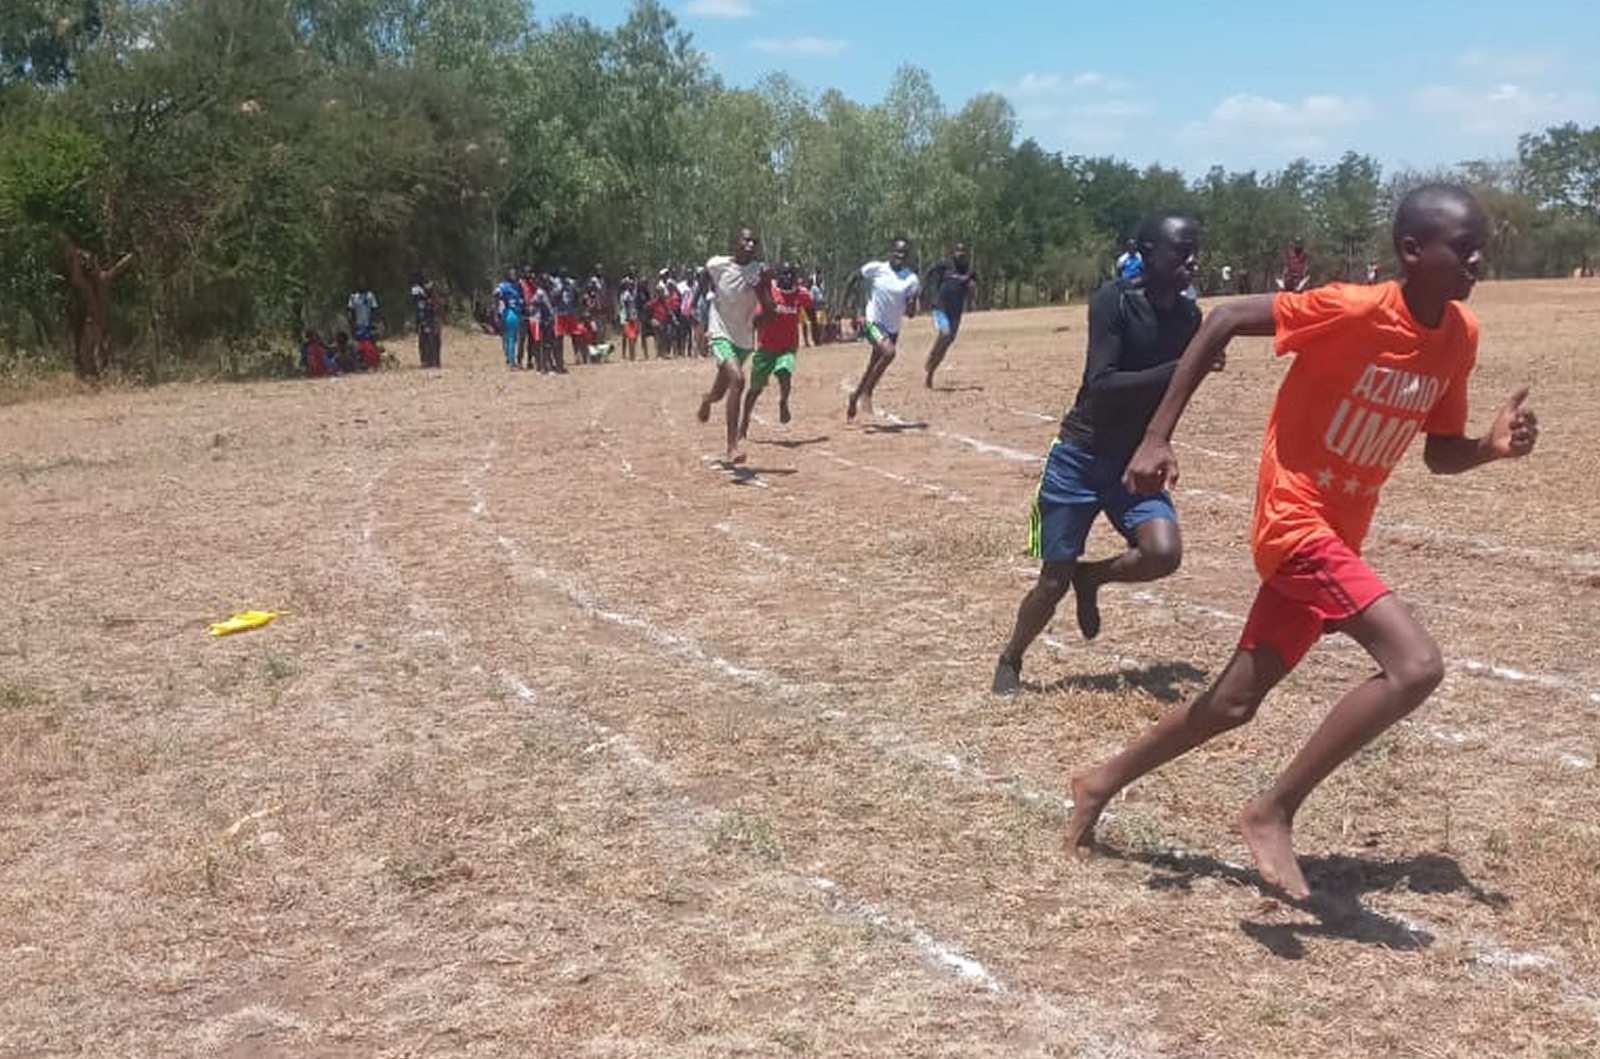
[{"x": 89, "y": 311}]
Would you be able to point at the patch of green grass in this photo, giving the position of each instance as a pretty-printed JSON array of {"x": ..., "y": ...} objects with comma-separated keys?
[
  {"x": 1139, "y": 831},
  {"x": 18, "y": 695},
  {"x": 31, "y": 466},
  {"x": 276, "y": 668},
  {"x": 1273, "y": 1010},
  {"x": 737, "y": 831},
  {"x": 425, "y": 869},
  {"x": 791, "y": 1040}
]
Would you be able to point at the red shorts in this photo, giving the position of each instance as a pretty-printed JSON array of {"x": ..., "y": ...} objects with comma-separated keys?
[
  {"x": 566, "y": 325},
  {"x": 631, "y": 329},
  {"x": 1323, "y": 583}
]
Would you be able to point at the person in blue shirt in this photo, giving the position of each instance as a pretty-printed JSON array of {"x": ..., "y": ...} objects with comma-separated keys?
[
  {"x": 509, "y": 310},
  {"x": 1130, "y": 265}
]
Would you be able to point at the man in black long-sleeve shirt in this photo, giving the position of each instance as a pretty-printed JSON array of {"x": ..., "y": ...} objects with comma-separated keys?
[{"x": 1136, "y": 334}]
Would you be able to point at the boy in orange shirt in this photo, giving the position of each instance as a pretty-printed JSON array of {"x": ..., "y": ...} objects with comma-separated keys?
[{"x": 1374, "y": 366}]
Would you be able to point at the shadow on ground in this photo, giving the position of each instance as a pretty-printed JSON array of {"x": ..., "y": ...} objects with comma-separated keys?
[
  {"x": 741, "y": 473},
  {"x": 1337, "y": 884},
  {"x": 792, "y": 443},
  {"x": 1166, "y": 681}
]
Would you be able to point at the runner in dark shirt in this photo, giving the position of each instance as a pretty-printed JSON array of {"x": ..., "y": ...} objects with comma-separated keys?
[
  {"x": 1136, "y": 334},
  {"x": 952, "y": 283}
]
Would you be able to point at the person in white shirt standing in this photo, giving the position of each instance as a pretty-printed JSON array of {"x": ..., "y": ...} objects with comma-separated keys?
[
  {"x": 891, "y": 296},
  {"x": 740, "y": 287}
]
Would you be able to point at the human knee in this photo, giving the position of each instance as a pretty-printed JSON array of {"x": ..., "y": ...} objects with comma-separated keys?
[
  {"x": 1164, "y": 557},
  {"x": 1418, "y": 671},
  {"x": 1160, "y": 546},
  {"x": 1229, "y": 707},
  {"x": 1053, "y": 585}
]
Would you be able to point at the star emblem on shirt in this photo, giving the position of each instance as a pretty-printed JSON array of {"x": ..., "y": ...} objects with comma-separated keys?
[
  {"x": 1352, "y": 485},
  {"x": 1325, "y": 478}
]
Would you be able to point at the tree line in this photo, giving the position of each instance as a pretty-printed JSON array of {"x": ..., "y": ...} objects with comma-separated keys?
[{"x": 186, "y": 183}]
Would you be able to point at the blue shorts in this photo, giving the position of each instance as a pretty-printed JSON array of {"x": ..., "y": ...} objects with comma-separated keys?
[
  {"x": 947, "y": 323},
  {"x": 1075, "y": 487}
]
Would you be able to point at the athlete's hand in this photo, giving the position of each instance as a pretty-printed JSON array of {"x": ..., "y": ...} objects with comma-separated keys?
[
  {"x": 1154, "y": 467},
  {"x": 1515, "y": 429}
]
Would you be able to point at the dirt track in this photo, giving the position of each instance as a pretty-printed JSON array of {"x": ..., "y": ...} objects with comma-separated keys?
[{"x": 573, "y": 744}]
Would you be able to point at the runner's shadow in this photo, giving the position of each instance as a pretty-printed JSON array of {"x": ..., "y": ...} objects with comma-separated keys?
[
  {"x": 792, "y": 443},
  {"x": 740, "y": 473},
  {"x": 1166, "y": 681},
  {"x": 1337, "y": 883},
  {"x": 892, "y": 428},
  {"x": 966, "y": 387}
]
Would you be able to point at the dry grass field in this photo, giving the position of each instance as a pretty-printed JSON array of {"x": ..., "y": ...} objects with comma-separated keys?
[{"x": 575, "y": 745}]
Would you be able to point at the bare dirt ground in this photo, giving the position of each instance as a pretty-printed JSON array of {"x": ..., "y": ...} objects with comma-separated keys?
[{"x": 575, "y": 745}]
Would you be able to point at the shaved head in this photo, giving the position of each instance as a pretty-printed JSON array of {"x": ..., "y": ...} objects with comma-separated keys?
[{"x": 1425, "y": 211}]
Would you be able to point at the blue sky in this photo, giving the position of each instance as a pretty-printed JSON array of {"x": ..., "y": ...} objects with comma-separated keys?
[{"x": 1413, "y": 83}]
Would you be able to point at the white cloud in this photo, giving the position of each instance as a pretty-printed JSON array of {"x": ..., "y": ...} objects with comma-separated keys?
[
  {"x": 1505, "y": 65},
  {"x": 1258, "y": 114},
  {"x": 1036, "y": 85},
  {"x": 1083, "y": 113},
  {"x": 800, "y": 45},
  {"x": 1092, "y": 80},
  {"x": 1247, "y": 131},
  {"x": 720, "y": 8},
  {"x": 1503, "y": 109}
]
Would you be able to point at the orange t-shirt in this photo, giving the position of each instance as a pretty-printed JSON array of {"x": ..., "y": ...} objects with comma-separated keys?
[{"x": 1366, "y": 378}]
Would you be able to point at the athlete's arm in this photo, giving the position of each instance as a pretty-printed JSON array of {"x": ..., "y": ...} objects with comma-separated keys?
[
  {"x": 1154, "y": 466},
  {"x": 1513, "y": 433}
]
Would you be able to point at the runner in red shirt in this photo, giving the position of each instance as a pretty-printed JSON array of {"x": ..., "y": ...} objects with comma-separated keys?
[{"x": 777, "y": 338}]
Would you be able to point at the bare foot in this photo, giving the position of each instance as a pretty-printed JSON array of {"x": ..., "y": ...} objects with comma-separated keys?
[
  {"x": 1087, "y": 805},
  {"x": 704, "y": 412},
  {"x": 865, "y": 405},
  {"x": 1270, "y": 836},
  {"x": 735, "y": 457},
  {"x": 850, "y": 408},
  {"x": 783, "y": 411}
]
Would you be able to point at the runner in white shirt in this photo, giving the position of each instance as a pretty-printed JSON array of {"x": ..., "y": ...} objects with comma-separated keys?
[
  {"x": 741, "y": 286},
  {"x": 891, "y": 296}
]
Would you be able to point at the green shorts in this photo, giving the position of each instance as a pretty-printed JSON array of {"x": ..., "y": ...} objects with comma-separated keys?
[
  {"x": 724, "y": 351},
  {"x": 764, "y": 364}
]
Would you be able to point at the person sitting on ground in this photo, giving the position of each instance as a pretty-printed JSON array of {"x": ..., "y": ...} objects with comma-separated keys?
[
  {"x": 370, "y": 353},
  {"x": 345, "y": 355},
  {"x": 314, "y": 356}
]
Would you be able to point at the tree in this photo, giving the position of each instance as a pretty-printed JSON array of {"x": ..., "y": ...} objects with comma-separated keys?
[{"x": 40, "y": 39}]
